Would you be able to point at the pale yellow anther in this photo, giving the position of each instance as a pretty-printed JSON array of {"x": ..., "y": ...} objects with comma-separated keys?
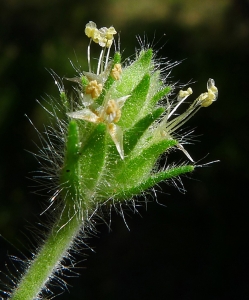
[
  {"x": 207, "y": 98},
  {"x": 210, "y": 96},
  {"x": 106, "y": 36},
  {"x": 116, "y": 72},
  {"x": 110, "y": 32},
  {"x": 113, "y": 111},
  {"x": 108, "y": 43},
  {"x": 214, "y": 89},
  {"x": 94, "y": 89},
  {"x": 111, "y": 127},
  {"x": 92, "y": 31},
  {"x": 183, "y": 94}
]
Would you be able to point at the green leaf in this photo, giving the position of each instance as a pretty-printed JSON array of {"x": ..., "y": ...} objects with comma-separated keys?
[
  {"x": 84, "y": 81},
  {"x": 158, "y": 96},
  {"x": 92, "y": 159},
  {"x": 133, "y": 135},
  {"x": 64, "y": 100},
  {"x": 153, "y": 180},
  {"x": 133, "y": 74},
  {"x": 69, "y": 177},
  {"x": 137, "y": 168},
  {"x": 134, "y": 104}
]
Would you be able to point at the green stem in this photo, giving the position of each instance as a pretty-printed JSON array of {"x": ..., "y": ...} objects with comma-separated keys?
[
  {"x": 48, "y": 260},
  {"x": 65, "y": 229}
]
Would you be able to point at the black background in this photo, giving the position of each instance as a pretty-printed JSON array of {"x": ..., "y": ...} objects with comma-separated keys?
[{"x": 196, "y": 245}]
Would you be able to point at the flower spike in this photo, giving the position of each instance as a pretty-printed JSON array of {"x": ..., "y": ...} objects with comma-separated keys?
[{"x": 104, "y": 152}]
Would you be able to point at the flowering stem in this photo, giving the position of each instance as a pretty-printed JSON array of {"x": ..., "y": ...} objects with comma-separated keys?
[
  {"x": 71, "y": 220},
  {"x": 49, "y": 258},
  {"x": 113, "y": 137},
  {"x": 63, "y": 232}
]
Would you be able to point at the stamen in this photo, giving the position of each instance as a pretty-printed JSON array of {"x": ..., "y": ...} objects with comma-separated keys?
[
  {"x": 116, "y": 72},
  {"x": 94, "y": 89},
  {"x": 181, "y": 97},
  {"x": 174, "y": 124},
  {"x": 88, "y": 56},
  {"x": 107, "y": 57},
  {"x": 210, "y": 96},
  {"x": 100, "y": 61},
  {"x": 113, "y": 112}
]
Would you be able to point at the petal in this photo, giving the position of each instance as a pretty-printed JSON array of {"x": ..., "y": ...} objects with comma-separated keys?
[
  {"x": 91, "y": 76},
  {"x": 101, "y": 78},
  {"x": 121, "y": 101},
  {"x": 85, "y": 114},
  {"x": 75, "y": 79},
  {"x": 116, "y": 134},
  {"x": 87, "y": 100}
]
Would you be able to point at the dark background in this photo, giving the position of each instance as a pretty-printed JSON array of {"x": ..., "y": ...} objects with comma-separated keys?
[{"x": 194, "y": 247}]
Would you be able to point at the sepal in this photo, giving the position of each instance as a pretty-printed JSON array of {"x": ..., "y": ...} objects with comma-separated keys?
[
  {"x": 133, "y": 74},
  {"x": 152, "y": 181},
  {"x": 133, "y": 135},
  {"x": 131, "y": 111}
]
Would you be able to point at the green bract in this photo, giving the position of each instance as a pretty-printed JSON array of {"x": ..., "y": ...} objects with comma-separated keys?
[{"x": 93, "y": 165}]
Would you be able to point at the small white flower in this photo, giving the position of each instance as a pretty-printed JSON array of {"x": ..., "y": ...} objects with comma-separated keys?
[{"x": 109, "y": 114}]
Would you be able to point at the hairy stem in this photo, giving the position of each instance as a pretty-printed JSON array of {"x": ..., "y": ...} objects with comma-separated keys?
[
  {"x": 65, "y": 229},
  {"x": 48, "y": 260}
]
